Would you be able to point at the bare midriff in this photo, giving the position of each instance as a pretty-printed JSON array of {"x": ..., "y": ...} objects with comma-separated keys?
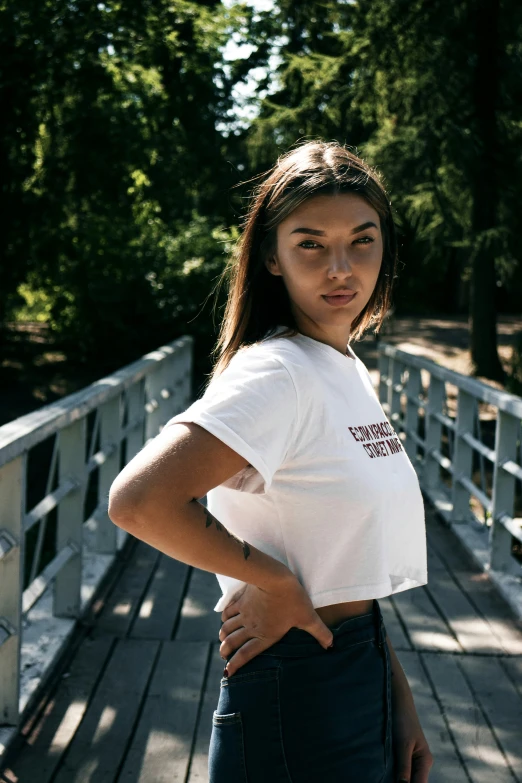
[{"x": 333, "y": 614}]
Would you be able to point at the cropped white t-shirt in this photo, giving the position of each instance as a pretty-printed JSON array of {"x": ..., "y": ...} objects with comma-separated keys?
[{"x": 329, "y": 490}]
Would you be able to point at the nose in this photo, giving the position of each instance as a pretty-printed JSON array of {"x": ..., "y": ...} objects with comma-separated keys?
[{"x": 339, "y": 261}]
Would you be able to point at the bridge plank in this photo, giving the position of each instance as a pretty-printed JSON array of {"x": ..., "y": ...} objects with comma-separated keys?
[
  {"x": 485, "y": 763},
  {"x": 161, "y": 747},
  {"x": 199, "y": 621},
  {"x": 447, "y": 765},
  {"x": 500, "y": 701},
  {"x": 51, "y": 735},
  {"x": 505, "y": 626},
  {"x": 160, "y": 608},
  {"x": 423, "y": 623},
  {"x": 100, "y": 743},
  {"x": 469, "y": 627},
  {"x": 513, "y": 667},
  {"x": 119, "y": 610}
]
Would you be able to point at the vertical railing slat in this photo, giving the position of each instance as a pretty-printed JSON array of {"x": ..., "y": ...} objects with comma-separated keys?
[
  {"x": 68, "y": 582},
  {"x": 12, "y": 511},
  {"x": 153, "y": 387},
  {"x": 110, "y": 434},
  {"x": 384, "y": 365},
  {"x": 394, "y": 393},
  {"x": 413, "y": 390},
  {"x": 436, "y": 397},
  {"x": 462, "y": 457},
  {"x": 506, "y": 436},
  {"x": 135, "y": 410}
]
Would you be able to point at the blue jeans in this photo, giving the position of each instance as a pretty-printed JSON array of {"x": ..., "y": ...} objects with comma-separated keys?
[{"x": 297, "y": 713}]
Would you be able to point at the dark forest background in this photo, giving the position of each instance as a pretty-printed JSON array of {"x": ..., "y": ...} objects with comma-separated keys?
[{"x": 124, "y": 140}]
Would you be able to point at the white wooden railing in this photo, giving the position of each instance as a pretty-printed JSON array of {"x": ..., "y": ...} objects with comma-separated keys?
[
  {"x": 84, "y": 434},
  {"x": 464, "y": 440}
]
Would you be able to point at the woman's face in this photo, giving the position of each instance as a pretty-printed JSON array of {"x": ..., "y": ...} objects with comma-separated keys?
[{"x": 329, "y": 243}]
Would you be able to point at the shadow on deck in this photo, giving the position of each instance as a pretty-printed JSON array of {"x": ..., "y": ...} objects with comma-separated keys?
[{"x": 134, "y": 700}]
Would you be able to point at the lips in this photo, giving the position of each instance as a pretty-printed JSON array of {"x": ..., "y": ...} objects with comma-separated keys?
[{"x": 338, "y": 299}]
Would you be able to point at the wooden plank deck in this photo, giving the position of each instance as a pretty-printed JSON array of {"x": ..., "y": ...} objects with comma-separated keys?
[{"x": 135, "y": 702}]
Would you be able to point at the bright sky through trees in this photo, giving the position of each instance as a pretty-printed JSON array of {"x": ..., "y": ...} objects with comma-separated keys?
[{"x": 246, "y": 95}]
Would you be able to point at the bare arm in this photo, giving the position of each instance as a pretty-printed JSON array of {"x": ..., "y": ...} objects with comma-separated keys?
[{"x": 155, "y": 499}]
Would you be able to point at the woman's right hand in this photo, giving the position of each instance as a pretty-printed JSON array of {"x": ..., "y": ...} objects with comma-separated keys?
[{"x": 257, "y": 618}]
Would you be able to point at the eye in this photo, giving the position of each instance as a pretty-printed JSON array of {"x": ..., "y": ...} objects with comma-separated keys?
[
  {"x": 365, "y": 240},
  {"x": 308, "y": 244}
]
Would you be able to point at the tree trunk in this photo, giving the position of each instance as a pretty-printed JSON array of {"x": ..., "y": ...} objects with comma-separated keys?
[{"x": 483, "y": 331}]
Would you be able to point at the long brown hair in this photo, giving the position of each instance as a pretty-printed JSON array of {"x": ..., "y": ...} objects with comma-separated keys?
[{"x": 257, "y": 300}]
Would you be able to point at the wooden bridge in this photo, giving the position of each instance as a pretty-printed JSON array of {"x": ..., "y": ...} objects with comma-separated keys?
[
  {"x": 109, "y": 657},
  {"x": 134, "y": 699}
]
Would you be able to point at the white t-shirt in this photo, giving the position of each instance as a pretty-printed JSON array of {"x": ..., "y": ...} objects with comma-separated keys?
[{"x": 329, "y": 490}]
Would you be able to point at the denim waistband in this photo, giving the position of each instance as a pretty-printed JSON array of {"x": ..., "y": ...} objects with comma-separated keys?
[{"x": 354, "y": 630}]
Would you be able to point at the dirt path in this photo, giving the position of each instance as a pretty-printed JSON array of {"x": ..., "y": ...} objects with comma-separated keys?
[{"x": 443, "y": 340}]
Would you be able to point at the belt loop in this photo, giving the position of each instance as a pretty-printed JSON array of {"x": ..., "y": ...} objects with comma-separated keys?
[
  {"x": 381, "y": 632},
  {"x": 377, "y": 622}
]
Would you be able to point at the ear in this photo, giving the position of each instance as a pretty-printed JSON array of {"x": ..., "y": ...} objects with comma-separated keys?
[{"x": 272, "y": 264}]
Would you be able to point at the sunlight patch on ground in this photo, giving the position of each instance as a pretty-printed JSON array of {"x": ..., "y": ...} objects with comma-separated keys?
[{"x": 193, "y": 608}]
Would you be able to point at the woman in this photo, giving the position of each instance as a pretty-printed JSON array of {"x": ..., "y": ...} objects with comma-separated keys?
[{"x": 313, "y": 508}]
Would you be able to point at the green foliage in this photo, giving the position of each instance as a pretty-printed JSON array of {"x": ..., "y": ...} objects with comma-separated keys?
[
  {"x": 121, "y": 146},
  {"x": 32, "y": 304}
]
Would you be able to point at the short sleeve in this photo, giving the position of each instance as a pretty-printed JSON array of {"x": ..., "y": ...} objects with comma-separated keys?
[{"x": 252, "y": 407}]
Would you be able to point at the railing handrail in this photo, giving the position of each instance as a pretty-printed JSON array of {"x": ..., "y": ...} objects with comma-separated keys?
[
  {"x": 21, "y": 434},
  {"x": 504, "y": 401}
]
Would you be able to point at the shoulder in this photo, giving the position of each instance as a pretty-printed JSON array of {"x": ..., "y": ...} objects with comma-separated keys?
[
  {"x": 260, "y": 369},
  {"x": 275, "y": 351}
]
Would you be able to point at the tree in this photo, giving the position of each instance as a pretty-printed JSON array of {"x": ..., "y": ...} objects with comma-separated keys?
[
  {"x": 119, "y": 110},
  {"x": 447, "y": 131}
]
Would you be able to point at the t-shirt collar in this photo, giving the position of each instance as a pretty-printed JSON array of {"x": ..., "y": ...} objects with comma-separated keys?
[{"x": 343, "y": 361}]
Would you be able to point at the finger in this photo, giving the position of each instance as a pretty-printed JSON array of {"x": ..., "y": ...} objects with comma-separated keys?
[
  {"x": 320, "y": 630},
  {"x": 246, "y": 652},
  {"x": 420, "y": 770},
  {"x": 404, "y": 764},
  {"x": 233, "y": 641},
  {"x": 232, "y": 608},
  {"x": 232, "y": 624},
  {"x": 229, "y": 611}
]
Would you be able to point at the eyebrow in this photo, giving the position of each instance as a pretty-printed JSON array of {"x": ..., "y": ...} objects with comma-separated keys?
[{"x": 316, "y": 232}]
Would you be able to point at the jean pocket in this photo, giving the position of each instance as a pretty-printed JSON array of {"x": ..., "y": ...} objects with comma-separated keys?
[
  {"x": 260, "y": 668},
  {"x": 226, "y": 757}
]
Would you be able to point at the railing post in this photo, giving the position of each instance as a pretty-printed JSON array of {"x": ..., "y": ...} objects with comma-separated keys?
[
  {"x": 12, "y": 511},
  {"x": 110, "y": 429},
  {"x": 154, "y": 413},
  {"x": 413, "y": 389},
  {"x": 135, "y": 410},
  {"x": 394, "y": 393},
  {"x": 435, "y": 404},
  {"x": 384, "y": 364},
  {"x": 185, "y": 370},
  {"x": 462, "y": 457},
  {"x": 503, "y": 501},
  {"x": 68, "y": 581}
]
